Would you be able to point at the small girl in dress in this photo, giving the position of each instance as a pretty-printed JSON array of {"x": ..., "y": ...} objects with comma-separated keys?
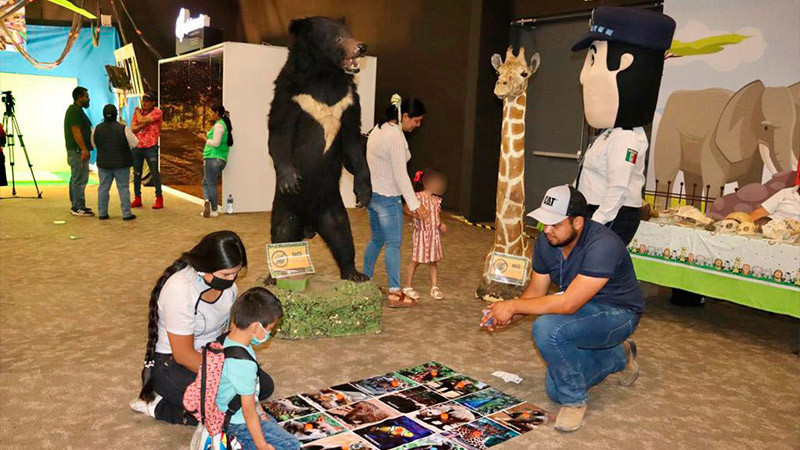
[{"x": 430, "y": 184}]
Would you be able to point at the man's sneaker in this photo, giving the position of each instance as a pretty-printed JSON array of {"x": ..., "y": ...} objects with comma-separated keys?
[
  {"x": 105, "y": 217},
  {"x": 131, "y": 217},
  {"x": 144, "y": 407},
  {"x": 81, "y": 212},
  {"x": 570, "y": 418},
  {"x": 206, "y": 209},
  {"x": 631, "y": 371}
]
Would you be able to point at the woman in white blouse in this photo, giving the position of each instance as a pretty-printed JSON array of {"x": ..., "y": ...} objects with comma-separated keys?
[{"x": 387, "y": 155}]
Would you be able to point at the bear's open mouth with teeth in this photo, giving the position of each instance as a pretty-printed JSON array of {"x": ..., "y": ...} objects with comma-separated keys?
[{"x": 353, "y": 52}]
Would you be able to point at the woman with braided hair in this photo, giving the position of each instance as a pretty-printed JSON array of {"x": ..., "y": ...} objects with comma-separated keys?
[{"x": 189, "y": 307}]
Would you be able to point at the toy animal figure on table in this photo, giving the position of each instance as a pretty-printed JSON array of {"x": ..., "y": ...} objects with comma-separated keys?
[
  {"x": 314, "y": 129},
  {"x": 621, "y": 77},
  {"x": 509, "y": 235}
]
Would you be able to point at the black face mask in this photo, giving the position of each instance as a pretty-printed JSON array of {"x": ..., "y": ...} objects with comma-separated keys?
[{"x": 219, "y": 283}]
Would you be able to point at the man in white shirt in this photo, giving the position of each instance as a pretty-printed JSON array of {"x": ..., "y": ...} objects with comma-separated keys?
[{"x": 784, "y": 204}]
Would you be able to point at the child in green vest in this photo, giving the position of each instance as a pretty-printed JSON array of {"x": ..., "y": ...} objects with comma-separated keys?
[{"x": 219, "y": 140}]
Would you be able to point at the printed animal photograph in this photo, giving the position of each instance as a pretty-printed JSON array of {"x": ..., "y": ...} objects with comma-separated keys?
[
  {"x": 312, "y": 428},
  {"x": 349, "y": 441},
  {"x": 446, "y": 416},
  {"x": 363, "y": 413},
  {"x": 393, "y": 432},
  {"x": 481, "y": 434},
  {"x": 288, "y": 408},
  {"x": 522, "y": 418},
  {"x": 433, "y": 442},
  {"x": 413, "y": 399},
  {"x": 384, "y": 384},
  {"x": 336, "y": 396},
  {"x": 430, "y": 371},
  {"x": 488, "y": 401},
  {"x": 456, "y": 386}
]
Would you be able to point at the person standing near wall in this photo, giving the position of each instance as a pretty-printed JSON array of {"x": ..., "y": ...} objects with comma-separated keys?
[
  {"x": 77, "y": 137},
  {"x": 219, "y": 140},
  {"x": 146, "y": 123},
  {"x": 387, "y": 155},
  {"x": 113, "y": 142}
]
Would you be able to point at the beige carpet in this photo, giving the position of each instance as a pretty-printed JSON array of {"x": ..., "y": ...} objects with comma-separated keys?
[{"x": 73, "y": 317}]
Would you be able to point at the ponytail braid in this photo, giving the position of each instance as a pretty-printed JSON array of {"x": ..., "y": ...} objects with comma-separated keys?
[
  {"x": 147, "y": 393},
  {"x": 227, "y": 119}
]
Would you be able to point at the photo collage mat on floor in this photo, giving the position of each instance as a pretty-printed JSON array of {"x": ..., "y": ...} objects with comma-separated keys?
[{"x": 429, "y": 406}]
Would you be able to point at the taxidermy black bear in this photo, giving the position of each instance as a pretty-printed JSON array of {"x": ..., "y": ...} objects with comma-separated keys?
[{"x": 315, "y": 129}]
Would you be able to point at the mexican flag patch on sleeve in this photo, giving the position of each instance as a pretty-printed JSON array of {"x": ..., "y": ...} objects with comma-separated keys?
[{"x": 631, "y": 156}]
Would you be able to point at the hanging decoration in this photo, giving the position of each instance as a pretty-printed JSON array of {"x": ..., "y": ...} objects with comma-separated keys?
[{"x": 74, "y": 31}]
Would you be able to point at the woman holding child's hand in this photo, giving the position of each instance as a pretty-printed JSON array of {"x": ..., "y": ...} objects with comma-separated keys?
[{"x": 190, "y": 306}]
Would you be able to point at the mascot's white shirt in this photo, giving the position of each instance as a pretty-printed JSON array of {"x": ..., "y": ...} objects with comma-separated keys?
[{"x": 613, "y": 172}]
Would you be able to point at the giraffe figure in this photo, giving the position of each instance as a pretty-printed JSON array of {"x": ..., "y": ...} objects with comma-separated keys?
[{"x": 511, "y": 87}]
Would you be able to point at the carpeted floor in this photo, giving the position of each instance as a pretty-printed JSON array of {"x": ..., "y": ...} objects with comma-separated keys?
[{"x": 73, "y": 316}]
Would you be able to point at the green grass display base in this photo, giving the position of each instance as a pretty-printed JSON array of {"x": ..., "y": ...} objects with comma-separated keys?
[{"x": 330, "y": 308}]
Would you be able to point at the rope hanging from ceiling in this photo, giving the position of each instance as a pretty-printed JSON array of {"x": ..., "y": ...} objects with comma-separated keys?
[{"x": 138, "y": 31}]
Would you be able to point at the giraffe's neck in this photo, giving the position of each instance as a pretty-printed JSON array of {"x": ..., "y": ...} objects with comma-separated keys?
[{"x": 510, "y": 204}]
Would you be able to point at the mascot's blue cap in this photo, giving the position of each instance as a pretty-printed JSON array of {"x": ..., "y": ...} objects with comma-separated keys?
[{"x": 634, "y": 26}]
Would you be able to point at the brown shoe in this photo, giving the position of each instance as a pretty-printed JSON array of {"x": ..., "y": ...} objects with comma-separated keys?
[
  {"x": 570, "y": 418},
  {"x": 398, "y": 299},
  {"x": 631, "y": 371}
]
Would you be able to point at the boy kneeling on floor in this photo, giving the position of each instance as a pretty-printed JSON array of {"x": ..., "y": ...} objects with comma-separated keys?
[{"x": 255, "y": 314}]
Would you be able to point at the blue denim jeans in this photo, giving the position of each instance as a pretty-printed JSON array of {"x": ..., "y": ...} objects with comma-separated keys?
[
  {"x": 123, "y": 178},
  {"x": 79, "y": 177},
  {"x": 212, "y": 170},
  {"x": 140, "y": 155},
  {"x": 386, "y": 224},
  {"x": 273, "y": 433},
  {"x": 582, "y": 349}
]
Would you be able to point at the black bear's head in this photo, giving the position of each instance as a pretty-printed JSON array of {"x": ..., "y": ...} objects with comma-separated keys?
[{"x": 327, "y": 43}]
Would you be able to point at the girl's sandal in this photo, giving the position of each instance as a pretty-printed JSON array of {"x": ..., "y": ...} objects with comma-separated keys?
[
  {"x": 437, "y": 293},
  {"x": 410, "y": 292},
  {"x": 400, "y": 300}
]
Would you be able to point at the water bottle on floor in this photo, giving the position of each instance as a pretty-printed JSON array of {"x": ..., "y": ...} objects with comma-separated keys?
[{"x": 229, "y": 209}]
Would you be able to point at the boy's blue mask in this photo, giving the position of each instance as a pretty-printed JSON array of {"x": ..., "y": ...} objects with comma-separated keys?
[{"x": 256, "y": 341}]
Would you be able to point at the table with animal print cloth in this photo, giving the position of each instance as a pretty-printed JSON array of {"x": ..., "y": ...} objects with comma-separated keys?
[{"x": 748, "y": 270}]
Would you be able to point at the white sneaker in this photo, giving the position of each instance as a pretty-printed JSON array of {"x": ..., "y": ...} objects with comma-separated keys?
[
  {"x": 214, "y": 214},
  {"x": 144, "y": 407}
]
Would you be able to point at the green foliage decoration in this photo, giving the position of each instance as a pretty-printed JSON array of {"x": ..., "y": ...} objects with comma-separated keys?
[{"x": 330, "y": 309}]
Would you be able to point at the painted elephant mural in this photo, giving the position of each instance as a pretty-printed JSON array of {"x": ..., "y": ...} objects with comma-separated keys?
[{"x": 717, "y": 136}]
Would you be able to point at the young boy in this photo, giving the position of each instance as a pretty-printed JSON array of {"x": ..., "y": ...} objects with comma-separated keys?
[{"x": 255, "y": 313}]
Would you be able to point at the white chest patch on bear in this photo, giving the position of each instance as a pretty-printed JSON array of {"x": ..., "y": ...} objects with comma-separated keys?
[{"x": 328, "y": 116}]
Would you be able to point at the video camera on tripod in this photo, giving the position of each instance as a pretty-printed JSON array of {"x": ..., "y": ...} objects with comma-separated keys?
[
  {"x": 11, "y": 127},
  {"x": 7, "y": 98}
]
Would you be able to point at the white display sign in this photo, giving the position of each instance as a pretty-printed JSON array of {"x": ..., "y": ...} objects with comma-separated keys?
[{"x": 185, "y": 24}]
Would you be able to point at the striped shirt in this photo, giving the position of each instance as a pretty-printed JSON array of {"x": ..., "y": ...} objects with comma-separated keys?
[{"x": 387, "y": 156}]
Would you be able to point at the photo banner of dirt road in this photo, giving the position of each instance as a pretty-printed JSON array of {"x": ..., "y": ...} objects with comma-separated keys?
[{"x": 189, "y": 87}]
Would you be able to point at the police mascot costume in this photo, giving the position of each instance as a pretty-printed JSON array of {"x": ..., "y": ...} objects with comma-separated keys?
[{"x": 620, "y": 77}]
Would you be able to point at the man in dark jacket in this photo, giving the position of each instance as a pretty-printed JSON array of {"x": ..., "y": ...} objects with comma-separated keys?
[{"x": 113, "y": 142}]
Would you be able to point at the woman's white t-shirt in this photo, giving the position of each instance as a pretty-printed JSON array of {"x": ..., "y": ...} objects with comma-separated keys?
[{"x": 181, "y": 310}]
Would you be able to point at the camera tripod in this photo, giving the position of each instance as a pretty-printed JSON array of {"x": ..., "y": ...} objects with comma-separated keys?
[{"x": 11, "y": 127}]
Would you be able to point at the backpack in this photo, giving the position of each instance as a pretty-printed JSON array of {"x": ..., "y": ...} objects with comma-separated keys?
[{"x": 200, "y": 398}]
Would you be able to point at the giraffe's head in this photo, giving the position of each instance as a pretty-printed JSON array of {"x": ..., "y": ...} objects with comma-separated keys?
[{"x": 513, "y": 74}]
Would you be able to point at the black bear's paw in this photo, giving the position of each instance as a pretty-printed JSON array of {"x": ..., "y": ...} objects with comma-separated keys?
[
  {"x": 363, "y": 190},
  {"x": 354, "y": 275},
  {"x": 289, "y": 181}
]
